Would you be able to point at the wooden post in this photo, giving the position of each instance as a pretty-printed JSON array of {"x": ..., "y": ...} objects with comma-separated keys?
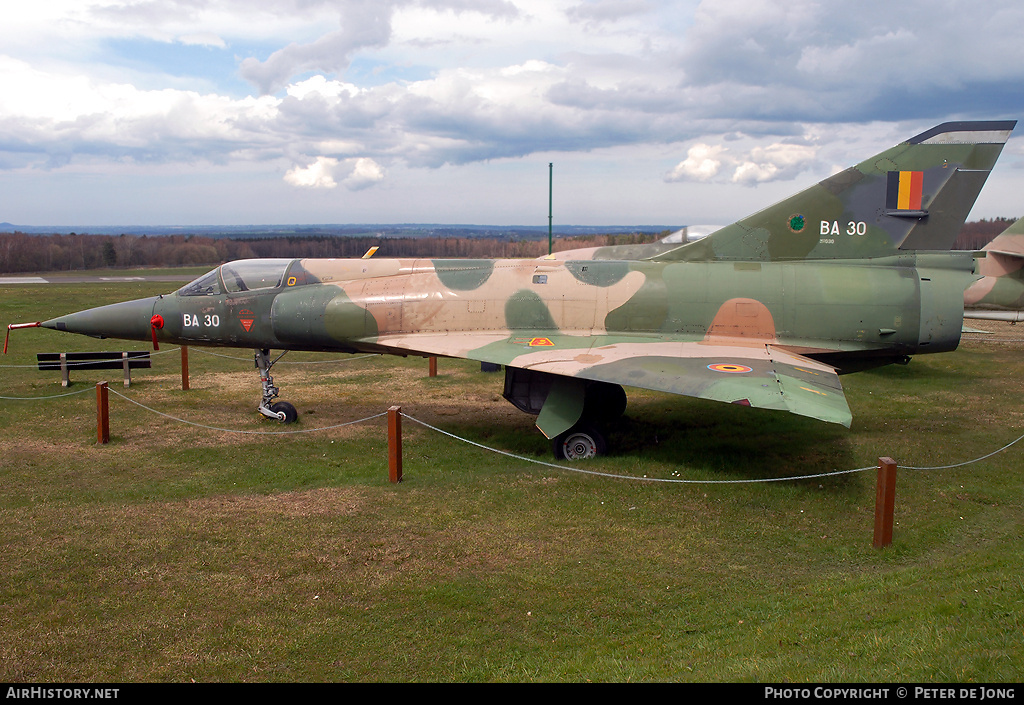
[
  {"x": 102, "y": 413},
  {"x": 885, "y": 501},
  {"x": 184, "y": 368},
  {"x": 433, "y": 367},
  {"x": 395, "y": 444}
]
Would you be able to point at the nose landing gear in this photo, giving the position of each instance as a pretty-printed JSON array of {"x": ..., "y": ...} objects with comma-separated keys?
[{"x": 281, "y": 410}]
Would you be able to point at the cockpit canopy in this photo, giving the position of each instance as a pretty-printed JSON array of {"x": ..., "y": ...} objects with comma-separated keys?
[{"x": 241, "y": 275}]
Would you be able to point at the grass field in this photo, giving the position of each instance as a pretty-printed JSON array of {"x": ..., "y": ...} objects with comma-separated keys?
[{"x": 230, "y": 548}]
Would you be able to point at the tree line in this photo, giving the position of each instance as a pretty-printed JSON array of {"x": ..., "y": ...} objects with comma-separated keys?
[
  {"x": 23, "y": 252},
  {"x": 978, "y": 233}
]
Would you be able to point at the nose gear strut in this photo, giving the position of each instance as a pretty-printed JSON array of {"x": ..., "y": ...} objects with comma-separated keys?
[{"x": 279, "y": 411}]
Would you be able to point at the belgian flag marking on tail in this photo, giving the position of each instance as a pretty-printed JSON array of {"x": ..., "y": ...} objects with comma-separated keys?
[{"x": 903, "y": 190}]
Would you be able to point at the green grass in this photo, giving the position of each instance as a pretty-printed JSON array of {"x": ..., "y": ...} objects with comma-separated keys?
[{"x": 177, "y": 552}]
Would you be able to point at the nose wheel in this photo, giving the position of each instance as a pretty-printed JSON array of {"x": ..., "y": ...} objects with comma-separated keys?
[
  {"x": 277, "y": 410},
  {"x": 283, "y": 412}
]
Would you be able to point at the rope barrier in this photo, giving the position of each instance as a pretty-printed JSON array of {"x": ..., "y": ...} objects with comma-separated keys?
[
  {"x": 200, "y": 350},
  {"x": 233, "y": 430},
  {"x": 631, "y": 477},
  {"x": 283, "y": 362},
  {"x": 712, "y": 482},
  {"x": 966, "y": 462},
  {"x": 522, "y": 458},
  {"x": 55, "y": 396},
  {"x": 85, "y": 363},
  {"x": 996, "y": 340}
]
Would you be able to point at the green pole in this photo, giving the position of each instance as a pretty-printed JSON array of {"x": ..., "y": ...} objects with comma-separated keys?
[{"x": 550, "y": 176}]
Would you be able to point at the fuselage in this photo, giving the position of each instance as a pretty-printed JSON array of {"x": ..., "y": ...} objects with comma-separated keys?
[{"x": 847, "y": 313}]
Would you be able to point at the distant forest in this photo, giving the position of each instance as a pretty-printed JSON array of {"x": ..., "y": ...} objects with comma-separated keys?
[
  {"x": 23, "y": 252},
  {"x": 978, "y": 233}
]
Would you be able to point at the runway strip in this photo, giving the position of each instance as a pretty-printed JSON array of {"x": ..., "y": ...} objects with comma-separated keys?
[{"x": 85, "y": 279}]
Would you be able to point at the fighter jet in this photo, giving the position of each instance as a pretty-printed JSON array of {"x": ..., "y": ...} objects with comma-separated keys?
[
  {"x": 851, "y": 273},
  {"x": 999, "y": 294}
]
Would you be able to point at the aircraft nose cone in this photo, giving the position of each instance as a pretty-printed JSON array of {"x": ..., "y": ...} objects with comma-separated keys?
[{"x": 129, "y": 320}]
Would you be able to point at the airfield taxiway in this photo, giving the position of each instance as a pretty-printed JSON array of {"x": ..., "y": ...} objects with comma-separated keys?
[{"x": 89, "y": 279}]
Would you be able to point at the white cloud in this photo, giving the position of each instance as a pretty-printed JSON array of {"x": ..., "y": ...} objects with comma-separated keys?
[
  {"x": 775, "y": 162},
  {"x": 759, "y": 91},
  {"x": 318, "y": 175},
  {"x": 701, "y": 164},
  {"x": 365, "y": 173},
  {"x": 320, "y": 86},
  {"x": 362, "y": 26},
  {"x": 329, "y": 53},
  {"x": 206, "y": 39},
  {"x": 51, "y": 118},
  {"x": 599, "y": 11}
]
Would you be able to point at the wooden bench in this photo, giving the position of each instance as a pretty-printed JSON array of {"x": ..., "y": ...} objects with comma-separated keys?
[{"x": 93, "y": 361}]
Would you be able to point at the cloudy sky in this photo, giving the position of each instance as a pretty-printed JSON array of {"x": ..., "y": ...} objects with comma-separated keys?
[{"x": 189, "y": 112}]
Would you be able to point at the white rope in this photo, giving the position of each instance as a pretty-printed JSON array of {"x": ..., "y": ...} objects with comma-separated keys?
[
  {"x": 524, "y": 458},
  {"x": 705, "y": 482},
  {"x": 630, "y": 477},
  {"x": 966, "y": 462},
  {"x": 233, "y": 430},
  {"x": 84, "y": 363},
  {"x": 285, "y": 362},
  {"x": 55, "y": 396}
]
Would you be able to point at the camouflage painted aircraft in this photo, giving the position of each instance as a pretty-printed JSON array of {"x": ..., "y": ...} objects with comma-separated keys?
[
  {"x": 999, "y": 294},
  {"x": 851, "y": 273}
]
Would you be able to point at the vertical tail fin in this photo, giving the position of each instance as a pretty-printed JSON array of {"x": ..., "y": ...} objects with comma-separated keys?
[{"x": 914, "y": 196}]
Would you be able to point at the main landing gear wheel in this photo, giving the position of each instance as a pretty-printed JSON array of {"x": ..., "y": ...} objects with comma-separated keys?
[
  {"x": 277, "y": 410},
  {"x": 580, "y": 443}
]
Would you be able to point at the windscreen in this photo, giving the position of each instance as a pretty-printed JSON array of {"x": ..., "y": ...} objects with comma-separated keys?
[
  {"x": 243, "y": 275},
  {"x": 252, "y": 274},
  {"x": 206, "y": 285}
]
